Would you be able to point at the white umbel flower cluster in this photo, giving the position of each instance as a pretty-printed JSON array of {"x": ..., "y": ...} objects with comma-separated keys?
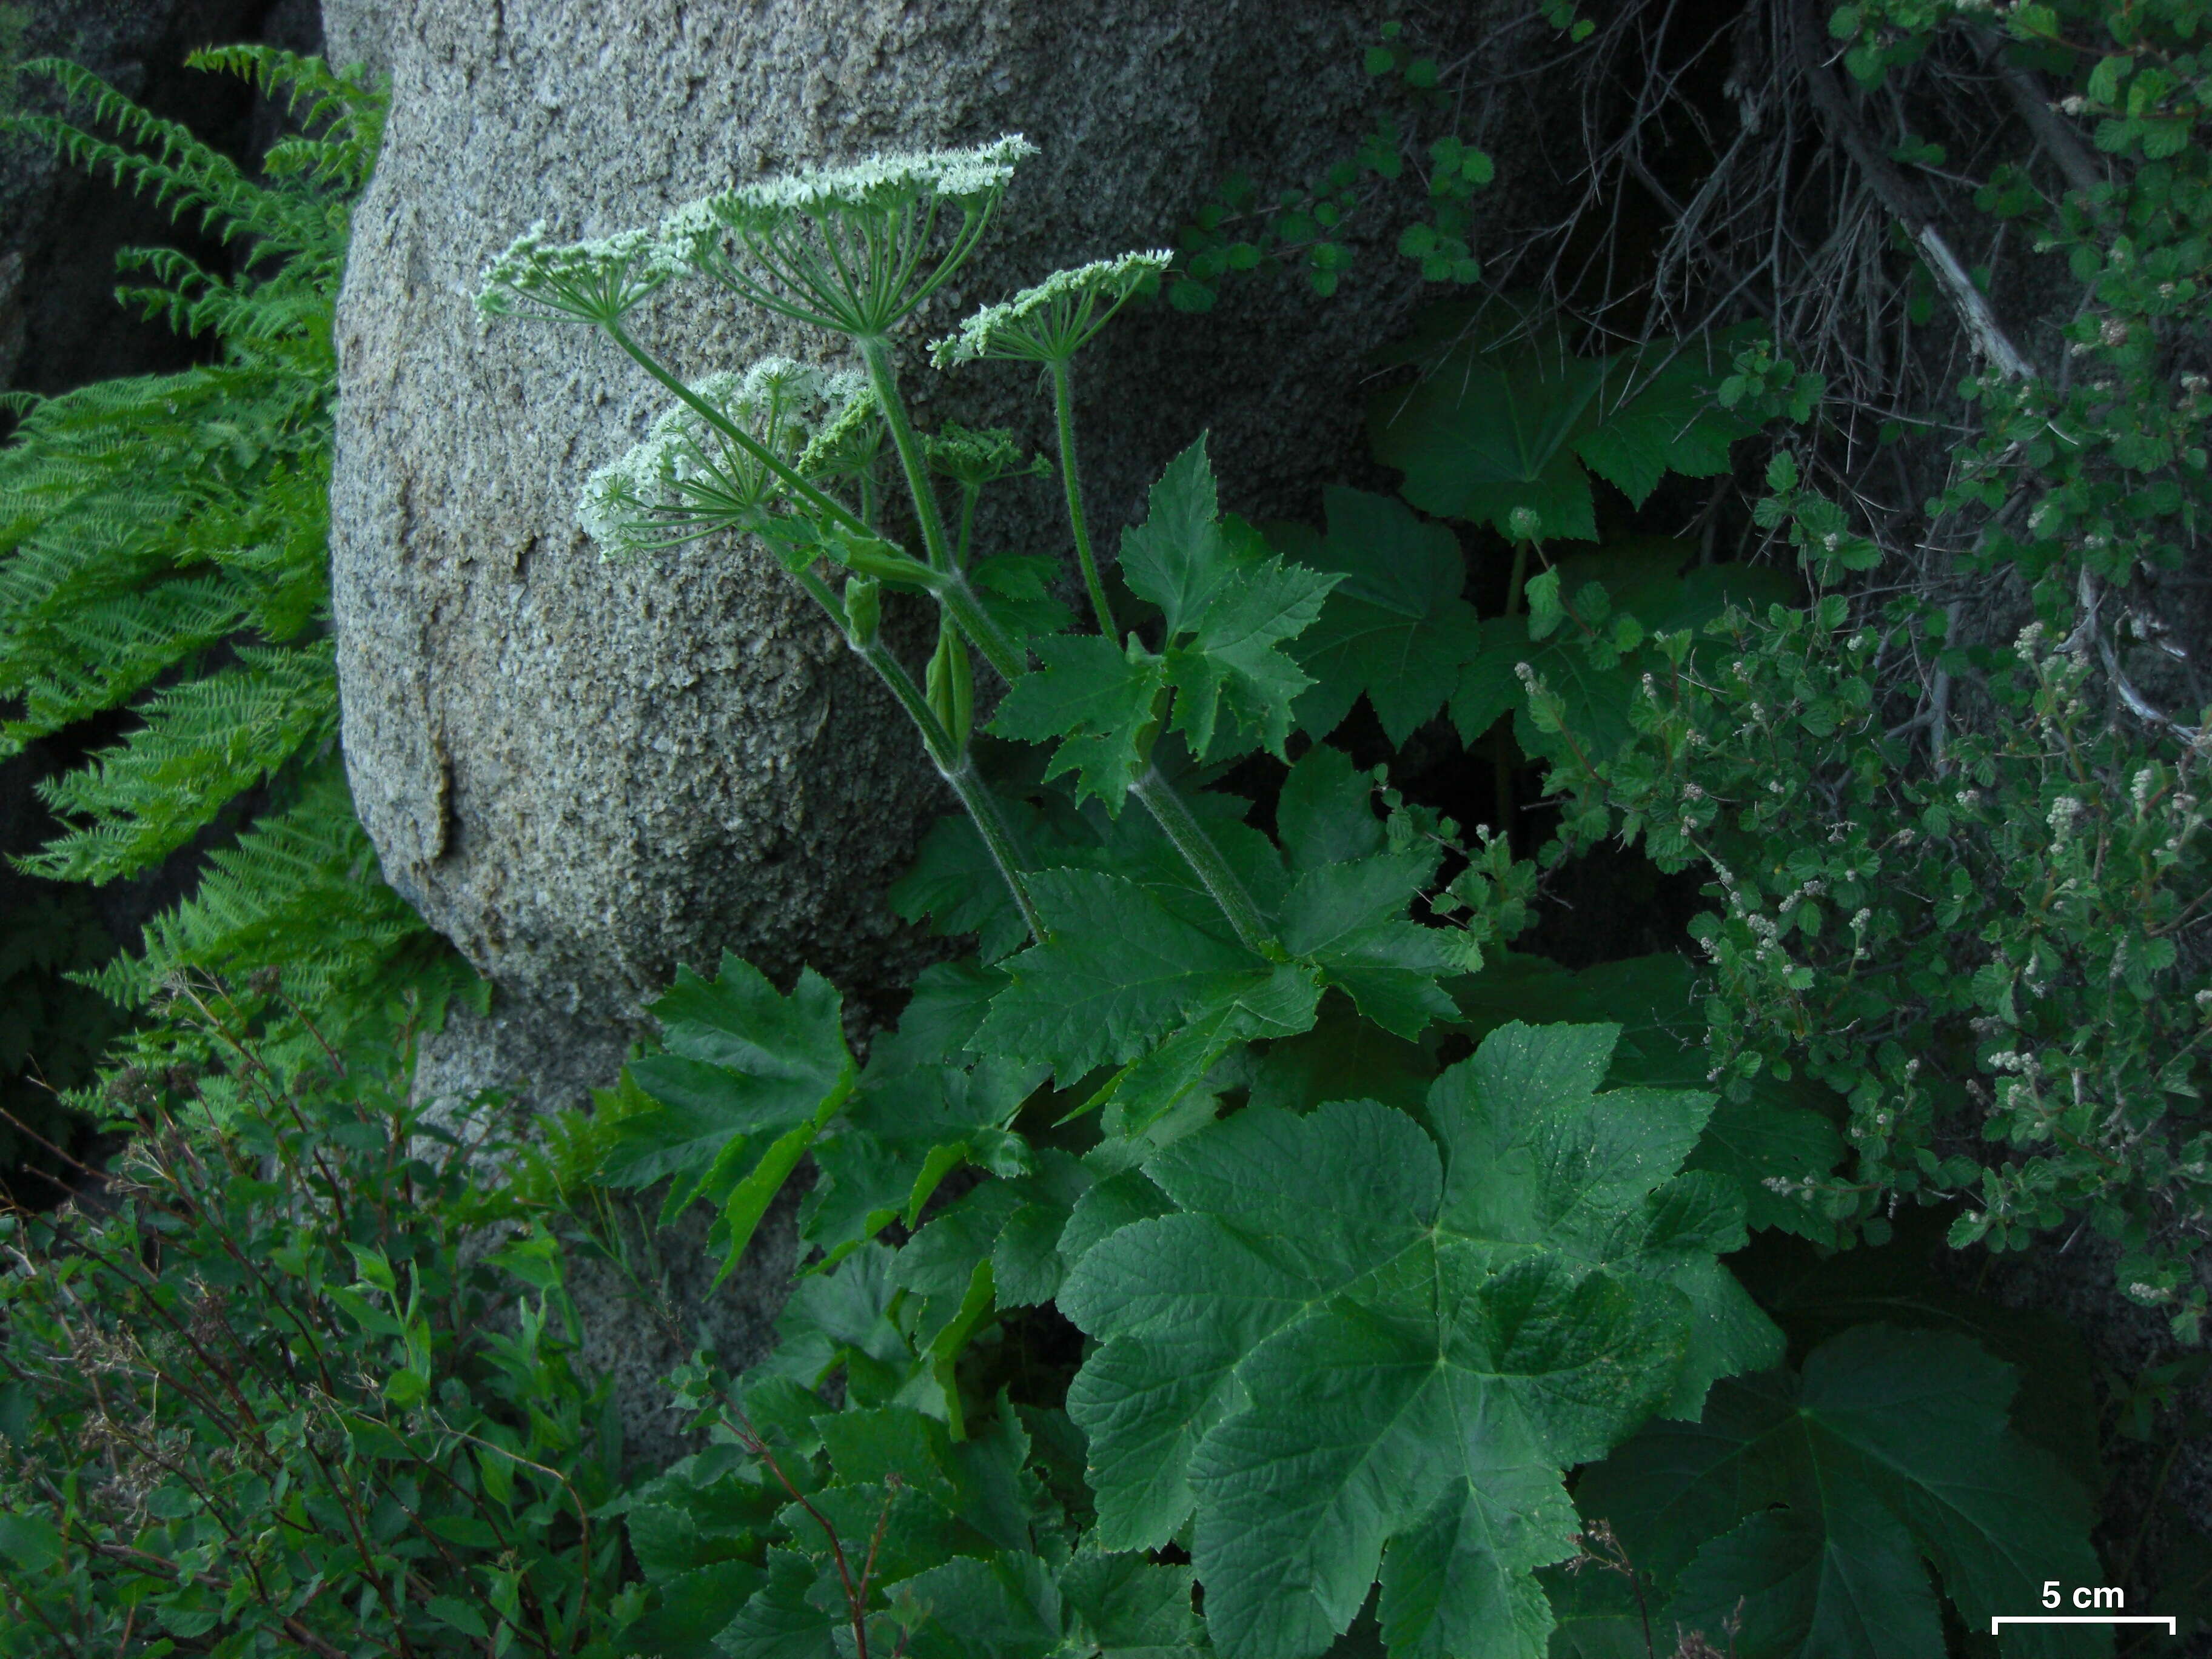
[
  {"x": 880, "y": 182},
  {"x": 532, "y": 276},
  {"x": 1054, "y": 318},
  {"x": 687, "y": 479}
]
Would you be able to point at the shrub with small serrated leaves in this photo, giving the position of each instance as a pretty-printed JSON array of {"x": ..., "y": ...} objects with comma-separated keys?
[
  {"x": 274, "y": 1382},
  {"x": 1412, "y": 152},
  {"x": 1969, "y": 898}
]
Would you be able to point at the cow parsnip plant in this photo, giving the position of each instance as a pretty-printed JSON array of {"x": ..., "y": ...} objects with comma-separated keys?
[{"x": 1359, "y": 1299}]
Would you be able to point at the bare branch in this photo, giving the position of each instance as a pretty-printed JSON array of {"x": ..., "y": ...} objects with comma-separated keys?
[{"x": 1903, "y": 198}]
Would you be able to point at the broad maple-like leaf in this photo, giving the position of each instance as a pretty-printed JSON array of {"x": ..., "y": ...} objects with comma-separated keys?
[
  {"x": 743, "y": 1063},
  {"x": 1227, "y": 604},
  {"x": 1654, "y": 413},
  {"x": 1814, "y": 1500},
  {"x": 1115, "y": 973},
  {"x": 902, "y": 1136},
  {"x": 1356, "y": 1348},
  {"x": 1783, "y": 1131},
  {"x": 1395, "y": 629},
  {"x": 1115, "y": 1606},
  {"x": 1345, "y": 911},
  {"x": 1506, "y": 417},
  {"x": 1015, "y": 590},
  {"x": 1489, "y": 429},
  {"x": 955, "y": 882},
  {"x": 1326, "y": 812},
  {"x": 1349, "y": 920},
  {"x": 925, "y": 1106},
  {"x": 1096, "y": 698}
]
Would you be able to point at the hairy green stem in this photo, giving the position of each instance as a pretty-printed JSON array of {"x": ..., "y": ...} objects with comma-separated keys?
[
  {"x": 969, "y": 494},
  {"x": 950, "y": 758},
  {"x": 955, "y": 595},
  {"x": 828, "y": 505},
  {"x": 939, "y": 741},
  {"x": 1063, "y": 408},
  {"x": 960, "y": 602},
  {"x": 989, "y": 817},
  {"x": 1173, "y": 814},
  {"x": 876, "y": 353}
]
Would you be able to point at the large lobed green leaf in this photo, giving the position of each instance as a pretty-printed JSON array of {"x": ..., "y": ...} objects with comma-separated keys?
[
  {"x": 1814, "y": 1499},
  {"x": 1783, "y": 1132},
  {"x": 1506, "y": 417},
  {"x": 1357, "y": 1346},
  {"x": 1227, "y": 604},
  {"x": 1137, "y": 969},
  {"x": 1395, "y": 629},
  {"x": 743, "y": 1062}
]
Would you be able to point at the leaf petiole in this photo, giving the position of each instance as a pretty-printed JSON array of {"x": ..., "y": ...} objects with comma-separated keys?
[
  {"x": 1173, "y": 814},
  {"x": 1063, "y": 407}
]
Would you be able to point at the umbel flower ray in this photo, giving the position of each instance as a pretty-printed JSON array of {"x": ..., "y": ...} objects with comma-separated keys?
[
  {"x": 598, "y": 281},
  {"x": 853, "y": 249},
  {"x": 689, "y": 479},
  {"x": 1056, "y": 318}
]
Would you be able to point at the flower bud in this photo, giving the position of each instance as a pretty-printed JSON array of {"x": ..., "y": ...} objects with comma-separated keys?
[
  {"x": 951, "y": 686},
  {"x": 864, "y": 608}
]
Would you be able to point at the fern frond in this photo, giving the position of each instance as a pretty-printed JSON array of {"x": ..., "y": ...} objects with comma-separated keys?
[
  {"x": 189, "y": 298},
  {"x": 184, "y": 174},
  {"x": 300, "y": 892},
  {"x": 344, "y": 113},
  {"x": 274, "y": 545},
  {"x": 109, "y": 552},
  {"x": 96, "y": 654},
  {"x": 182, "y": 437},
  {"x": 294, "y": 303},
  {"x": 202, "y": 743},
  {"x": 102, "y": 498},
  {"x": 143, "y": 522}
]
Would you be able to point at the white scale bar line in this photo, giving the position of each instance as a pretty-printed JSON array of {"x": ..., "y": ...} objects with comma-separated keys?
[{"x": 2171, "y": 1623}]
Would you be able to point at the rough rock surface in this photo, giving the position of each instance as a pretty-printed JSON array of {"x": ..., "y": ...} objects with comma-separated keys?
[{"x": 586, "y": 774}]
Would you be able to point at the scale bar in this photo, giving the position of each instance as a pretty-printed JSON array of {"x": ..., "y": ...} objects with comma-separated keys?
[{"x": 2171, "y": 1623}]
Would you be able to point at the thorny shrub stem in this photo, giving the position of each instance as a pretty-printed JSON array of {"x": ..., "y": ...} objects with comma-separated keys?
[
  {"x": 750, "y": 1439},
  {"x": 1063, "y": 408}
]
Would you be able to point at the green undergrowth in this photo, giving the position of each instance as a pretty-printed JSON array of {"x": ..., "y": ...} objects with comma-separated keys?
[
  {"x": 164, "y": 548},
  {"x": 1239, "y": 1245}
]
